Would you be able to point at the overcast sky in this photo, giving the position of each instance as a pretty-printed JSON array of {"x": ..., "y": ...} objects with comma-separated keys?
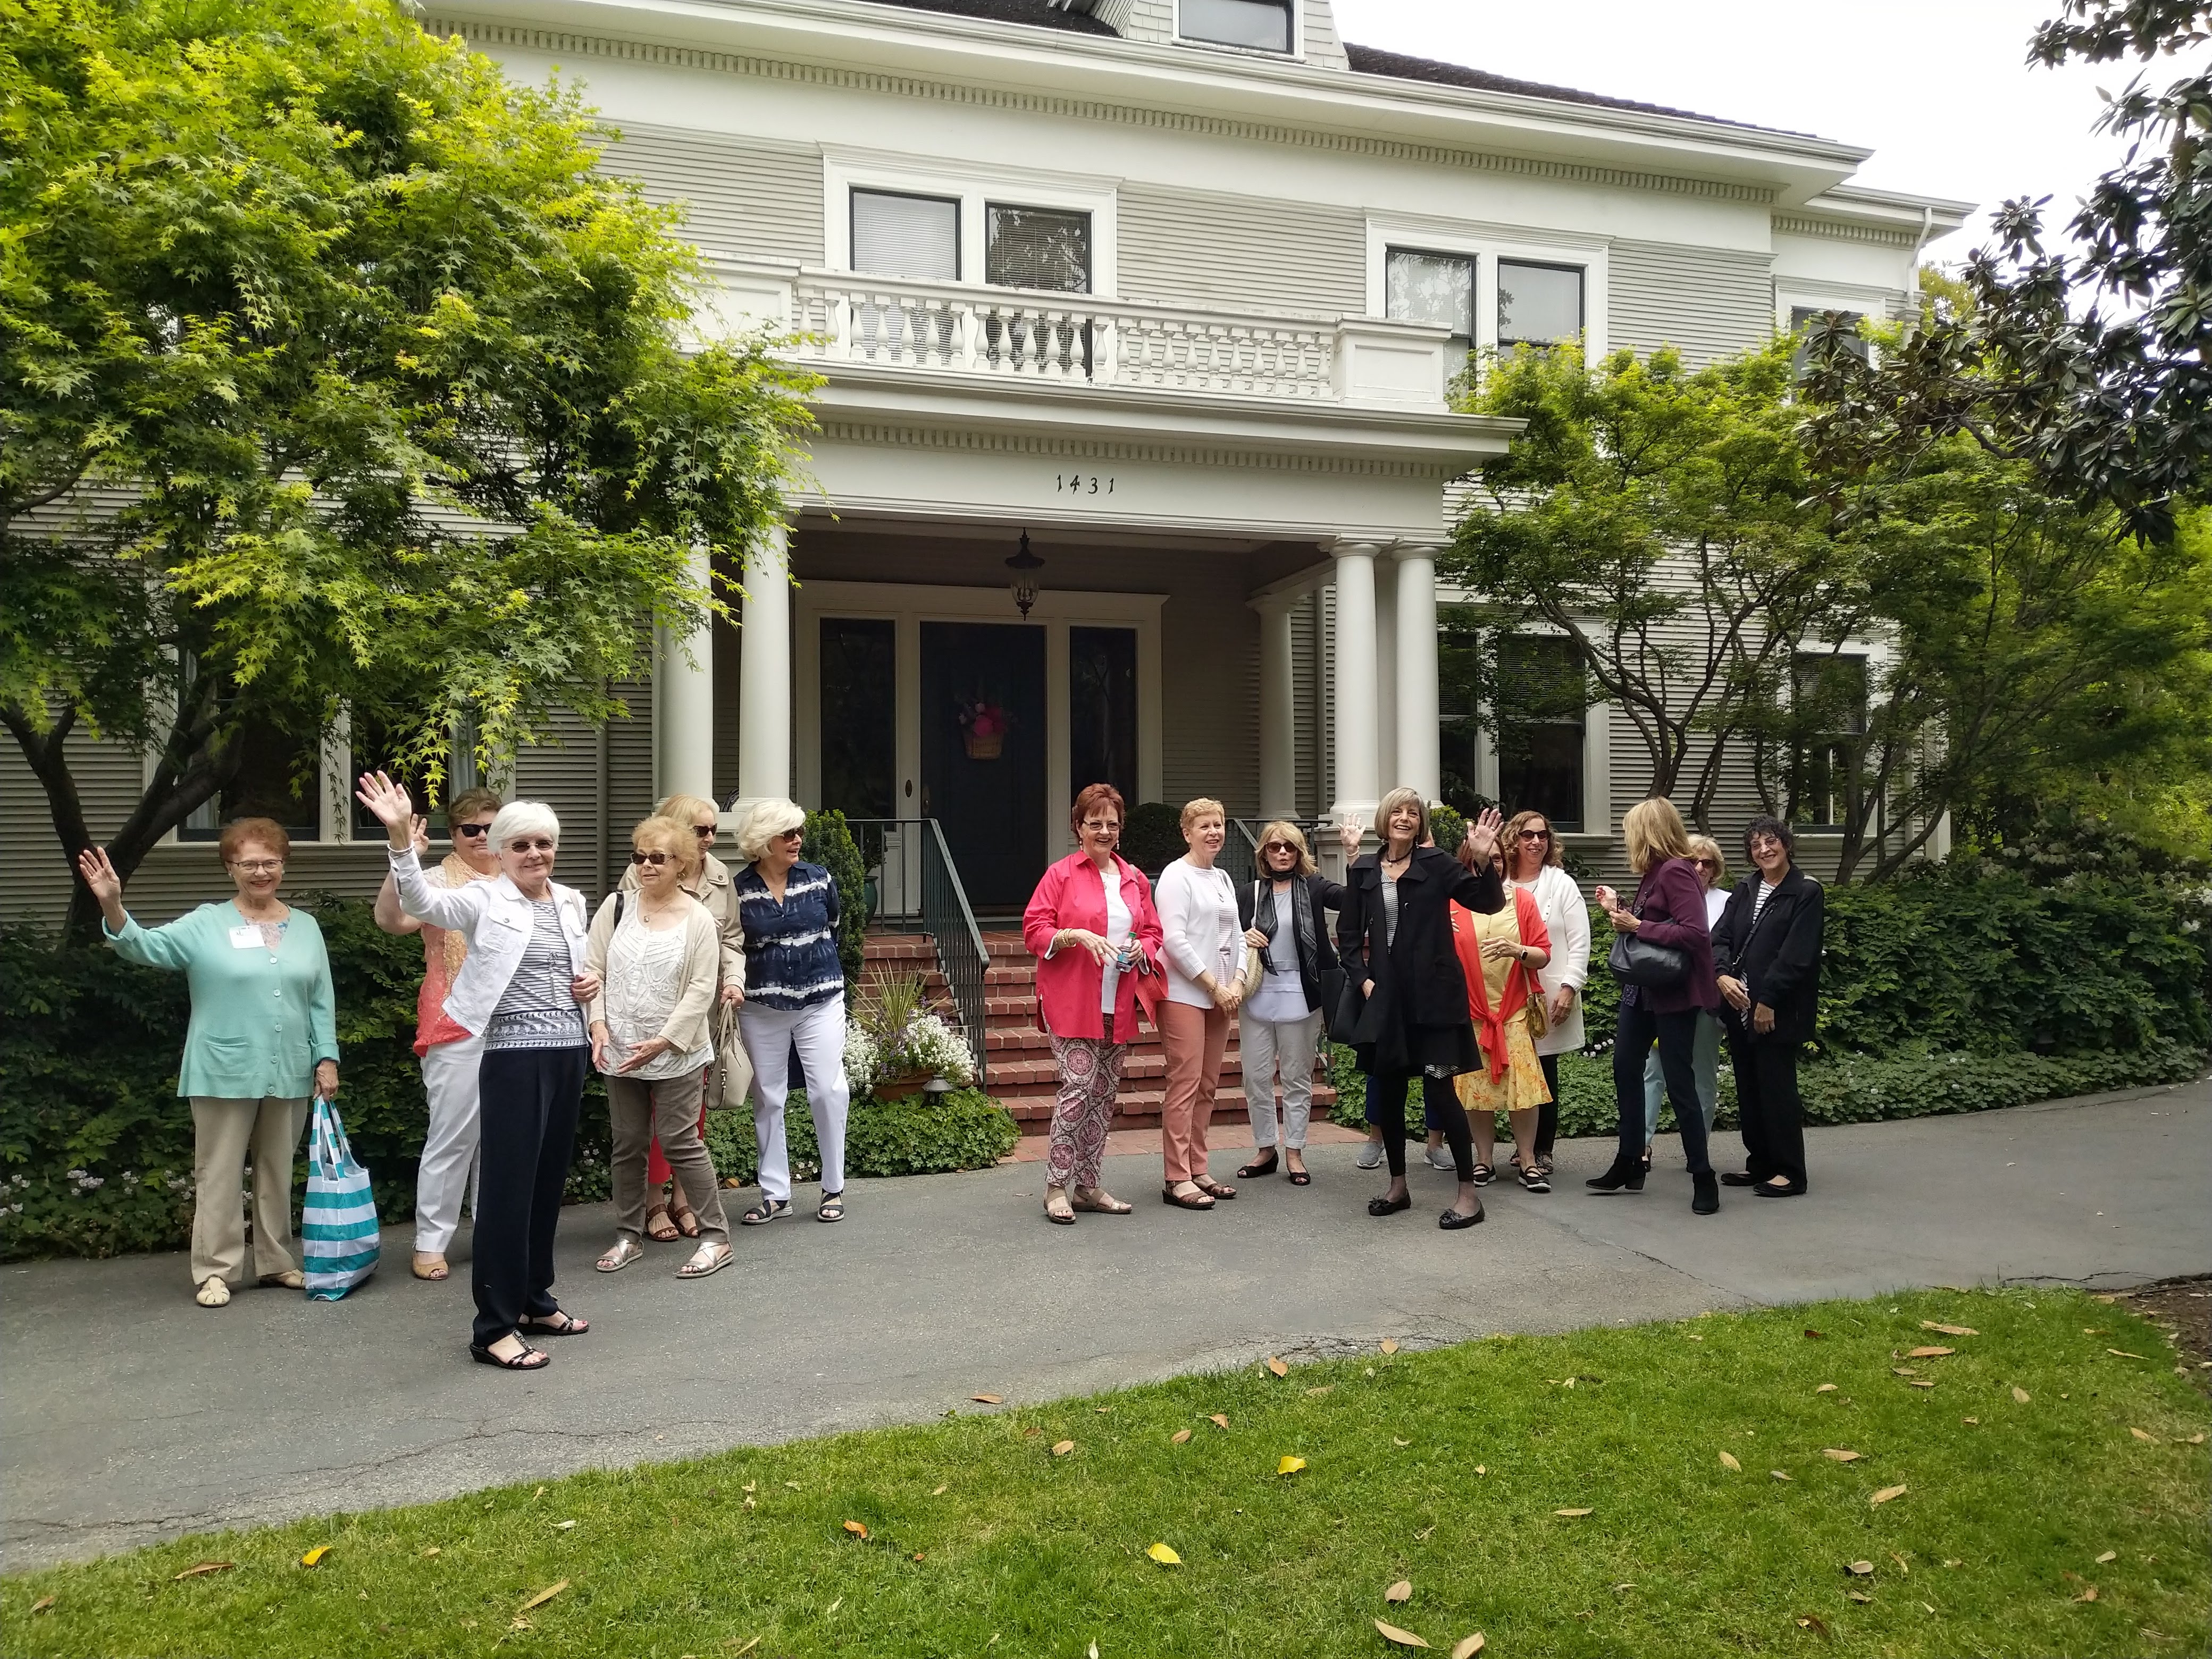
[{"x": 1937, "y": 88}]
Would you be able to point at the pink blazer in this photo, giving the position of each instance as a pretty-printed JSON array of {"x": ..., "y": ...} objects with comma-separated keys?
[{"x": 1071, "y": 896}]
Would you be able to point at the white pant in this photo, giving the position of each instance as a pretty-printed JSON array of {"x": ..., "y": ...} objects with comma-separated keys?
[
  {"x": 1262, "y": 1047},
  {"x": 819, "y": 1032},
  {"x": 449, "y": 1149}
]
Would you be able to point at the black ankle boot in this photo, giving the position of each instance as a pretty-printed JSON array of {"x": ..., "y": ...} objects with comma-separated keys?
[
  {"x": 1705, "y": 1194},
  {"x": 1626, "y": 1172}
]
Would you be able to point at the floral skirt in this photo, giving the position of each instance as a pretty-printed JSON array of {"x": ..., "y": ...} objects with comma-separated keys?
[{"x": 1522, "y": 1089}]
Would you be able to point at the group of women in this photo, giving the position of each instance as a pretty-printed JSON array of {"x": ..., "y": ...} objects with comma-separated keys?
[{"x": 1462, "y": 970}]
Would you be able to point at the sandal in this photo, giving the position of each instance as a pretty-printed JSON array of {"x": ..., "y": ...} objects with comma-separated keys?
[
  {"x": 710, "y": 1257},
  {"x": 1255, "y": 1168},
  {"x": 1098, "y": 1201},
  {"x": 292, "y": 1280},
  {"x": 530, "y": 1359},
  {"x": 430, "y": 1265},
  {"x": 1064, "y": 1216},
  {"x": 831, "y": 1208},
  {"x": 626, "y": 1250},
  {"x": 1196, "y": 1199},
  {"x": 1485, "y": 1174},
  {"x": 765, "y": 1212},
  {"x": 559, "y": 1323},
  {"x": 658, "y": 1227},
  {"x": 1534, "y": 1180},
  {"x": 686, "y": 1218},
  {"x": 212, "y": 1294},
  {"x": 1213, "y": 1189},
  {"x": 1301, "y": 1177}
]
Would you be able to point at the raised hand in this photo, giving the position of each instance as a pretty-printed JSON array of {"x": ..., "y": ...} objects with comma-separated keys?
[
  {"x": 1482, "y": 835},
  {"x": 1350, "y": 834},
  {"x": 389, "y": 803},
  {"x": 99, "y": 875},
  {"x": 420, "y": 833}
]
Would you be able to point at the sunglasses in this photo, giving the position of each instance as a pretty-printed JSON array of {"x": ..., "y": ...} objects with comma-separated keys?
[
  {"x": 1535, "y": 835},
  {"x": 653, "y": 859},
  {"x": 1707, "y": 863},
  {"x": 539, "y": 845},
  {"x": 472, "y": 831},
  {"x": 702, "y": 830}
]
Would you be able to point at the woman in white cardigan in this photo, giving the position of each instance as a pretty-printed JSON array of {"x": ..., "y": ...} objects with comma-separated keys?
[
  {"x": 1203, "y": 944},
  {"x": 520, "y": 989},
  {"x": 1535, "y": 859}
]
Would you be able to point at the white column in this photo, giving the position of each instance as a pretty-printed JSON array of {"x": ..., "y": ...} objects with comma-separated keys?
[
  {"x": 684, "y": 704},
  {"x": 1278, "y": 758},
  {"x": 764, "y": 672},
  {"x": 1386, "y": 671},
  {"x": 1358, "y": 771},
  {"x": 1420, "y": 766}
]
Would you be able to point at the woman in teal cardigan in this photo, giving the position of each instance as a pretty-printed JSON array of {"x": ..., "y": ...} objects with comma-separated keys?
[{"x": 262, "y": 1040}]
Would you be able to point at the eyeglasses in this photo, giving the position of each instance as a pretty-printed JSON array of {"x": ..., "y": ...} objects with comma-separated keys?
[
  {"x": 702, "y": 830},
  {"x": 1535, "y": 835},
  {"x": 472, "y": 831},
  {"x": 1707, "y": 863},
  {"x": 257, "y": 866},
  {"x": 655, "y": 858},
  {"x": 540, "y": 845},
  {"x": 1103, "y": 826},
  {"x": 1760, "y": 842}
]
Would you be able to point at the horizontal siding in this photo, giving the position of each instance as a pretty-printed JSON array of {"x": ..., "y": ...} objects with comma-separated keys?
[
  {"x": 747, "y": 196},
  {"x": 1706, "y": 302},
  {"x": 1210, "y": 674},
  {"x": 1323, "y": 48},
  {"x": 1200, "y": 248}
]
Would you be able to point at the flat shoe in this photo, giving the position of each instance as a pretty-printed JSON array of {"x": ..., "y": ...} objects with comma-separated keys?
[
  {"x": 1255, "y": 1168},
  {"x": 1737, "y": 1178},
  {"x": 1215, "y": 1189},
  {"x": 661, "y": 1230},
  {"x": 293, "y": 1280},
  {"x": 1768, "y": 1189},
  {"x": 1451, "y": 1220},
  {"x": 1301, "y": 1177},
  {"x": 831, "y": 1208},
  {"x": 530, "y": 1359},
  {"x": 213, "y": 1294},
  {"x": 1381, "y": 1207}
]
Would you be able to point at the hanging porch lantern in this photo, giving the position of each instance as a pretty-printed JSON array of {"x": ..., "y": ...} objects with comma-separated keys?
[{"x": 1024, "y": 565}]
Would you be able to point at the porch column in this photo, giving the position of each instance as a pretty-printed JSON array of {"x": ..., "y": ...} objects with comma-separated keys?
[
  {"x": 1358, "y": 771},
  {"x": 1386, "y": 671},
  {"x": 1420, "y": 765},
  {"x": 764, "y": 672},
  {"x": 1279, "y": 759},
  {"x": 684, "y": 704}
]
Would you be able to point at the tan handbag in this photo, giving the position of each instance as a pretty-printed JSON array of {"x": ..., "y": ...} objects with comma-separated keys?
[{"x": 733, "y": 1067}]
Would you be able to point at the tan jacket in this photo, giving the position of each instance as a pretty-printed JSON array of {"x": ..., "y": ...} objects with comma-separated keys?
[
  {"x": 714, "y": 891},
  {"x": 690, "y": 1026}
]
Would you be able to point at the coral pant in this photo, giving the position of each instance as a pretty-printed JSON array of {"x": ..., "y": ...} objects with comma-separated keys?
[{"x": 1194, "y": 1039}]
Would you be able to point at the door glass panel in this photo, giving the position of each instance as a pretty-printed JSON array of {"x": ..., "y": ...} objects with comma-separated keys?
[
  {"x": 1101, "y": 708},
  {"x": 859, "y": 732},
  {"x": 984, "y": 755}
]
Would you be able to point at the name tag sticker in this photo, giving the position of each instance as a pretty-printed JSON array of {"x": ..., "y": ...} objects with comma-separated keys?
[{"x": 247, "y": 937}]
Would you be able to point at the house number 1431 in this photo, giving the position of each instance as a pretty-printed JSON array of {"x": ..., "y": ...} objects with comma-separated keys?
[{"x": 1082, "y": 484}]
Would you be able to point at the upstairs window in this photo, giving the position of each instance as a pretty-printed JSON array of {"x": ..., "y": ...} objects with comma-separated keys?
[
  {"x": 1538, "y": 304},
  {"x": 901, "y": 235},
  {"x": 1437, "y": 288},
  {"x": 1263, "y": 25},
  {"x": 1830, "y": 703},
  {"x": 1543, "y": 711},
  {"x": 1046, "y": 248}
]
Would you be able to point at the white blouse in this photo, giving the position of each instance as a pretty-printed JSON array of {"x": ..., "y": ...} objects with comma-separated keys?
[
  {"x": 1200, "y": 931},
  {"x": 644, "y": 980},
  {"x": 1117, "y": 934}
]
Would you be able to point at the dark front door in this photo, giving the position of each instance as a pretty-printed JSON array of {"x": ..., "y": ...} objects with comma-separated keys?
[{"x": 982, "y": 755}]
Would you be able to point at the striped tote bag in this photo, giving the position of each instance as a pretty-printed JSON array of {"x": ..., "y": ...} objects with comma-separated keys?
[{"x": 338, "y": 1231}]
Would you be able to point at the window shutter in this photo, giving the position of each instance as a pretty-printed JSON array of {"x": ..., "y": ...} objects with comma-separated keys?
[
  {"x": 899, "y": 235},
  {"x": 1038, "y": 248}
]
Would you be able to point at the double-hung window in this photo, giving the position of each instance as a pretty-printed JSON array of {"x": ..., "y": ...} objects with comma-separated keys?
[
  {"x": 1260, "y": 25},
  {"x": 897, "y": 234},
  {"x": 1543, "y": 710},
  {"x": 1045, "y": 248},
  {"x": 1830, "y": 704},
  {"x": 1437, "y": 288}
]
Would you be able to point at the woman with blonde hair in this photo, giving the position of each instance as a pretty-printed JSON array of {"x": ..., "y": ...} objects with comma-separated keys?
[
  {"x": 1711, "y": 866},
  {"x": 1204, "y": 948},
  {"x": 1279, "y": 1028},
  {"x": 1535, "y": 864},
  {"x": 1501, "y": 954},
  {"x": 793, "y": 996},
  {"x": 657, "y": 954},
  {"x": 707, "y": 879},
  {"x": 1663, "y": 957}
]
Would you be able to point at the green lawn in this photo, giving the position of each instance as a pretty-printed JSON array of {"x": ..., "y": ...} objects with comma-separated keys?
[{"x": 1447, "y": 1469}]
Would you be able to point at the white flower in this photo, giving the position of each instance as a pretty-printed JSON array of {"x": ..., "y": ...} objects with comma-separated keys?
[{"x": 861, "y": 1061}]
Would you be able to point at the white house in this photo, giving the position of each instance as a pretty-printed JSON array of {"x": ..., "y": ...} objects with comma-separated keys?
[{"x": 1165, "y": 293}]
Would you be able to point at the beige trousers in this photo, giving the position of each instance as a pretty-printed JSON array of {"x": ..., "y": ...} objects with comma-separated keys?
[{"x": 223, "y": 1132}]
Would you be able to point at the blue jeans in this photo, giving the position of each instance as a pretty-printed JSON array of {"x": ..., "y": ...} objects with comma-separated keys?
[
  {"x": 1638, "y": 1028},
  {"x": 1705, "y": 1066}
]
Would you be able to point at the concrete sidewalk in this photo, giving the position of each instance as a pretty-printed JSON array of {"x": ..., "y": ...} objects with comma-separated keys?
[{"x": 131, "y": 1415}]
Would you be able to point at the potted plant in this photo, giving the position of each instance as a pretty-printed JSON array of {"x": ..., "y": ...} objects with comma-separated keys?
[
  {"x": 896, "y": 1045},
  {"x": 982, "y": 728}
]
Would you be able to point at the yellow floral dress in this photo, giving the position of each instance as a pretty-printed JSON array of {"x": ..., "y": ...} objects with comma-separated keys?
[{"x": 1518, "y": 1085}]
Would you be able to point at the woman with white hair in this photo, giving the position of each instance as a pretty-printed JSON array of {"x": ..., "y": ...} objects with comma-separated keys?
[
  {"x": 521, "y": 988},
  {"x": 793, "y": 995}
]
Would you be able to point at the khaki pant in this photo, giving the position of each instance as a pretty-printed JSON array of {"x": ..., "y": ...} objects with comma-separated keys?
[
  {"x": 1194, "y": 1040},
  {"x": 639, "y": 1110},
  {"x": 224, "y": 1132}
]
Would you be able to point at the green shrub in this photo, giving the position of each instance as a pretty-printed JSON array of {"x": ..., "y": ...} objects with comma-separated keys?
[
  {"x": 921, "y": 1135},
  {"x": 1446, "y": 828},
  {"x": 1152, "y": 838},
  {"x": 829, "y": 844}
]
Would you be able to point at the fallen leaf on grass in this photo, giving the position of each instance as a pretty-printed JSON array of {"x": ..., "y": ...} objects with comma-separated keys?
[
  {"x": 1948, "y": 1330},
  {"x": 1809, "y": 1621},
  {"x": 1903, "y": 1371},
  {"x": 1164, "y": 1556},
  {"x": 562, "y": 1526},
  {"x": 543, "y": 1596},
  {"x": 1825, "y": 1388},
  {"x": 1389, "y": 1345},
  {"x": 939, "y": 1492},
  {"x": 1400, "y": 1591},
  {"x": 1840, "y": 1455},
  {"x": 748, "y": 1648},
  {"x": 1468, "y": 1647},
  {"x": 434, "y": 1550},
  {"x": 1396, "y": 1442},
  {"x": 539, "y": 1493},
  {"x": 857, "y": 1530},
  {"x": 1482, "y": 1468},
  {"x": 1277, "y": 1366},
  {"x": 1885, "y": 1494},
  {"x": 917, "y": 1555},
  {"x": 1902, "y": 1566},
  {"x": 1928, "y": 1353},
  {"x": 1921, "y": 1382},
  {"x": 205, "y": 1567},
  {"x": 1219, "y": 1420},
  {"x": 989, "y": 1399},
  {"x": 1728, "y": 1461},
  {"x": 1861, "y": 1569},
  {"x": 2089, "y": 1594},
  {"x": 1061, "y": 1447},
  {"x": 2196, "y": 1439},
  {"x": 313, "y": 1558},
  {"x": 2140, "y": 1435},
  {"x": 2018, "y": 1394},
  {"x": 2124, "y": 1354},
  {"x": 1974, "y": 1421},
  {"x": 1290, "y": 1465},
  {"x": 1574, "y": 1514},
  {"x": 1816, "y": 1336},
  {"x": 1315, "y": 1393},
  {"x": 1178, "y": 1436},
  {"x": 42, "y": 1604},
  {"x": 1778, "y": 1476},
  {"x": 1404, "y": 1638},
  {"x": 2108, "y": 1557},
  {"x": 833, "y": 1607},
  {"x": 1860, "y": 1596}
]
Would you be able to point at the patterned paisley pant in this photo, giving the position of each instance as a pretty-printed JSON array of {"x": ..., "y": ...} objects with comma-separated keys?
[{"x": 1090, "y": 1077}]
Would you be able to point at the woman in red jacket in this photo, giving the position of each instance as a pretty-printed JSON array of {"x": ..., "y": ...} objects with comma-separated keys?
[
  {"x": 1091, "y": 926},
  {"x": 1659, "y": 1001}
]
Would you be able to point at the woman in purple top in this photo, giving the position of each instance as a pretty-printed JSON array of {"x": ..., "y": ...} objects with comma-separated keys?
[{"x": 1668, "y": 910}]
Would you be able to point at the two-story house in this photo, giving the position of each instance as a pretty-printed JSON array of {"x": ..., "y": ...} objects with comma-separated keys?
[{"x": 1136, "y": 319}]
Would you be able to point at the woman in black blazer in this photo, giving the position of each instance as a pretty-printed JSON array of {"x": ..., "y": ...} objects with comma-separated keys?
[
  {"x": 1394, "y": 935},
  {"x": 1767, "y": 951},
  {"x": 1279, "y": 1023}
]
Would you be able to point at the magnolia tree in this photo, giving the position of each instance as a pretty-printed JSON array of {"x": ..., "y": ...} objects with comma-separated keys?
[{"x": 338, "y": 384}]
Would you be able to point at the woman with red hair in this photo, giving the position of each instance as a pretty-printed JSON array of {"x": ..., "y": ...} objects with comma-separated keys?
[{"x": 1091, "y": 926}]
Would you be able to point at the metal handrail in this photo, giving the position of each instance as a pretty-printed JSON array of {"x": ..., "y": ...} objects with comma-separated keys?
[
  {"x": 1240, "y": 853},
  {"x": 918, "y": 887}
]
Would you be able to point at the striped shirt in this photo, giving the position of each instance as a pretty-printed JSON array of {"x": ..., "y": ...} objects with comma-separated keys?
[
  {"x": 790, "y": 948},
  {"x": 537, "y": 1010}
]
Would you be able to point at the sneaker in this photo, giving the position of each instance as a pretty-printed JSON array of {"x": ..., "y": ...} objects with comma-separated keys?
[
  {"x": 1371, "y": 1155},
  {"x": 1440, "y": 1158}
]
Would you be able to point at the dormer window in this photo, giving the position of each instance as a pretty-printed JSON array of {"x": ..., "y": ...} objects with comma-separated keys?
[{"x": 1260, "y": 25}]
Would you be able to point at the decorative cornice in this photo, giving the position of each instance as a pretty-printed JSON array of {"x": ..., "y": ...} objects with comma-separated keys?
[
  {"x": 907, "y": 85},
  {"x": 1789, "y": 224},
  {"x": 878, "y": 435}
]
